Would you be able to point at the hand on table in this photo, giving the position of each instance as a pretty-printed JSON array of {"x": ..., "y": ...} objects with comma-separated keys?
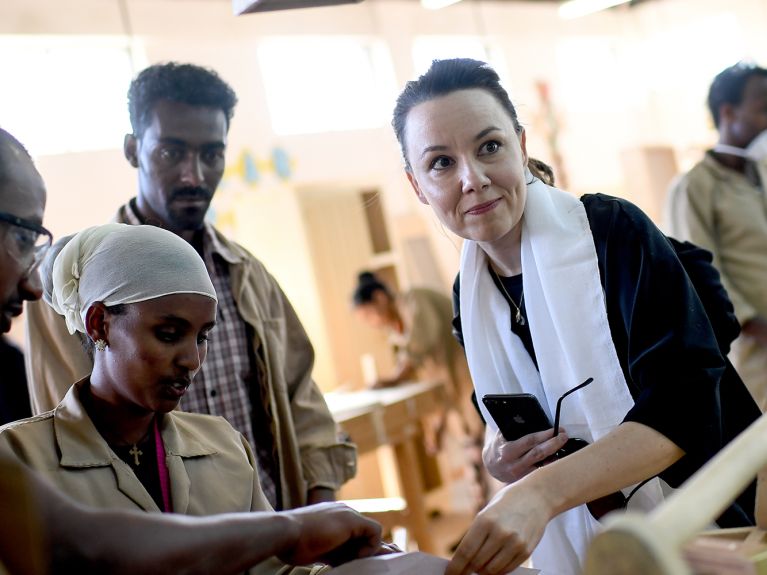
[
  {"x": 504, "y": 533},
  {"x": 330, "y": 533},
  {"x": 509, "y": 461}
]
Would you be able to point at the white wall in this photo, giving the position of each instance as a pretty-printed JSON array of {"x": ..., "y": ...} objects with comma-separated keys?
[{"x": 617, "y": 81}]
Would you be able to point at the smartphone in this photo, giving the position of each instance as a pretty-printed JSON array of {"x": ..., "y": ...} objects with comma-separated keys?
[{"x": 516, "y": 414}]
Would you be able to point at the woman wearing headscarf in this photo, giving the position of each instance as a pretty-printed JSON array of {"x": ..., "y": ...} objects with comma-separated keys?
[
  {"x": 143, "y": 298},
  {"x": 555, "y": 290}
]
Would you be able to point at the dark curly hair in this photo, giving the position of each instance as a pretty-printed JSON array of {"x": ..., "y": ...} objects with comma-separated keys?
[
  {"x": 185, "y": 83},
  {"x": 728, "y": 86},
  {"x": 447, "y": 76}
]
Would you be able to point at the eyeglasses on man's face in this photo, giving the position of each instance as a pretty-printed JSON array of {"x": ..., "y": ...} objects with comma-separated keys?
[{"x": 25, "y": 241}]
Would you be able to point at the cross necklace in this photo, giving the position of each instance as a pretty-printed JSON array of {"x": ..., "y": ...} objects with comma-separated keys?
[{"x": 135, "y": 451}]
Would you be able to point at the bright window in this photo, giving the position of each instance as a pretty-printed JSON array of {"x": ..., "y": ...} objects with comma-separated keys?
[
  {"x": 326, "y": 84},
  {"x": 429, "y": 48},
  {"x": 65, "y": 93}
]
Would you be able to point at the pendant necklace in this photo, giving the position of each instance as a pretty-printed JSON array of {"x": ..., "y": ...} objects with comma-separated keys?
[
  {"x": 135, "y": 451},
  {"x": 518, "y": 317}
]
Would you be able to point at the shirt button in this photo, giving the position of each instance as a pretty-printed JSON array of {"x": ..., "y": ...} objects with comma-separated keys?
[{"x": 213, "y": 393}]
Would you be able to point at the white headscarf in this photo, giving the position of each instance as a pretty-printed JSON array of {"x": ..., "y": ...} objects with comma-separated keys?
[{"x": 121, "y": 264}]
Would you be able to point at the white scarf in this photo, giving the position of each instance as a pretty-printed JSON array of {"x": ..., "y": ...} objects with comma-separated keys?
[{"x": 567, "y": 315}]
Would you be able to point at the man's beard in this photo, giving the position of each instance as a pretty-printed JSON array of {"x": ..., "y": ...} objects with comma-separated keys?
[{"x": 188, "y": 217}]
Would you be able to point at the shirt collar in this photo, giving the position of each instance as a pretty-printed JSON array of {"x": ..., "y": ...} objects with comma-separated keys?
[
  {"x": 82, "y": 445},
  {"x": 721, "y": 171}
]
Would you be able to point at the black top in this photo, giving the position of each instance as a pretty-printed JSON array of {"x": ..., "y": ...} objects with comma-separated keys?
[
  {"x": 511, "y": 286},
  {"x": 671, "y": 340},
  {"x": 146, "y": 470},
  {"x": 14, "y": 396}
]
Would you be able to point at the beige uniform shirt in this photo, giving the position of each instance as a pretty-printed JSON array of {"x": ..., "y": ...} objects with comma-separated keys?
[
  {"x": 428, "y": 342},
  {"x": 725, "y": 212},
  {"x": 211, "y": 466},
  {"x": 308, "y": 449},
  {"x": 428, "y": 332}
]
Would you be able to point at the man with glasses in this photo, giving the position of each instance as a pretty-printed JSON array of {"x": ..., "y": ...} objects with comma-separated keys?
[
  {"x": 42, "y": 531},
  {"x": 24, "y": 242},
  {"x": 258, "y": 371}
]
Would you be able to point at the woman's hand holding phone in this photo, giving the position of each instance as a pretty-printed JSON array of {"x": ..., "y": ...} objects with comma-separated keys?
[{"x": 509, "y": 461}]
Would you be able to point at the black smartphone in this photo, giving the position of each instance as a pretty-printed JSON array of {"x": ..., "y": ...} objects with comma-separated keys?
[{"x": 516, "y": 414}]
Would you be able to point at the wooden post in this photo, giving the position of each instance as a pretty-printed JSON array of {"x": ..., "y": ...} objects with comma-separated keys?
[
  {"x": 634, "y": 544},
  {"x": 761, "y": 499},
  {"x": 412, "y": 489}
]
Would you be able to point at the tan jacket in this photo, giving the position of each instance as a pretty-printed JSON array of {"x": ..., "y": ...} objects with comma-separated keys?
[
  {"x": 429, "y": 332},
  {"x": 212, "y": 468},
  {"x": 429, "y": 344},
  {"x": 308, "y": 448},
  {"x": 721, "y": 210}
]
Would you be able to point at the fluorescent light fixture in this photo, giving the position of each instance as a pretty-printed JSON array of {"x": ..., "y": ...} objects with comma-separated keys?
[
  {"x": 437, "y": 4},
  {"x": 578, "y": 8},
  {"x": 247, "y": 6}
]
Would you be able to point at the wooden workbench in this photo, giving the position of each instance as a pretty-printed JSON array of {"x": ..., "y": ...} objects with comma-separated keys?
[{"x": 374, "y": 418}]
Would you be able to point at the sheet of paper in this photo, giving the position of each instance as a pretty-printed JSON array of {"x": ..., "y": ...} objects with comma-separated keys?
[{"x": 404, "y": 564}]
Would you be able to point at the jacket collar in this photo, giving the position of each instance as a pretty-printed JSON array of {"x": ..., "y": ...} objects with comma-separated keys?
[
  {"x": 81, "y": 444},
  {"x": 723, "y": 173}
]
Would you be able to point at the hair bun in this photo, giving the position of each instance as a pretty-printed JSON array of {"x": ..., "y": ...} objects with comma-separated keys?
[{"x": 367, "y": 277}]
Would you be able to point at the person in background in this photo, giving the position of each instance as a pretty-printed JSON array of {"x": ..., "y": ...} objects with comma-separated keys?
[
  {"x": 419, "y": 325},
  {"x": 44, "y": 531},
  {"x": 721, "y": 205},
  {"x": 258, "y": 374},
  {"x": 563, "y": 296},
  {"x": 14, "y": 397}
]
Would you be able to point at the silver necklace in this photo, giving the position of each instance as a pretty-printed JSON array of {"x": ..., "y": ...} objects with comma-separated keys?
[{"x": 518, "y": 317}]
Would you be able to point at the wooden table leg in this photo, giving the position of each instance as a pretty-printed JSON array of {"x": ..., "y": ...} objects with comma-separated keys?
[{"x": 412, "y": 490}]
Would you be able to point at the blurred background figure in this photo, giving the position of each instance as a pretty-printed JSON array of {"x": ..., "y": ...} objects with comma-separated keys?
[
  {"x": 419, "y": 324},
  {"x": 720, "y": 205}
]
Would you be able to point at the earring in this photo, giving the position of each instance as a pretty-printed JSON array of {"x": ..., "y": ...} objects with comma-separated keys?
[{"x": 100, "y": 344}]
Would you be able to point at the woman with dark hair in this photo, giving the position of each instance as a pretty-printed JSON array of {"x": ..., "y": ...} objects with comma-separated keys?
[{"x": 553, "y": 291}]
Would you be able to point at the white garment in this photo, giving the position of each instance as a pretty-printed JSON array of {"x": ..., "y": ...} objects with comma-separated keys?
[
  {"x": 569, "y": 328},
  {"x": 756, "y": 150},
  {"x": 121, "y": 264}
]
